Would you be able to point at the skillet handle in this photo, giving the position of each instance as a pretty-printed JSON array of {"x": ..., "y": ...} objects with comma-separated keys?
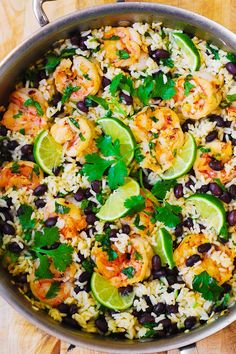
[
  {"x": 39, "y": 12},
  {"x": 189, "y": 349}
]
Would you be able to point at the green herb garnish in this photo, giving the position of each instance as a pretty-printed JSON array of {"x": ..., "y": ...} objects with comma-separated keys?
[{"x": 33, "y": 103}]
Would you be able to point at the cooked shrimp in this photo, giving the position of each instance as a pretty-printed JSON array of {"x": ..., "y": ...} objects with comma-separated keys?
[
  {"x": 122, "y": 46},
  {"x": 77, "y": 136},
  {"x": 72, "y": 220},
  {"x": 160, "y": 136},
  {"x": 80, "y": 73},
  {"x": 138, "y": 263},
  {"x": 217, "y": 262},
  {"x": 203, "y": 98},
  {"x": 25, "y": 114},
  {"x": 221, "y": 151},
  {"x": 41, "y": 287},
  {"x": 20, "y": 174}
]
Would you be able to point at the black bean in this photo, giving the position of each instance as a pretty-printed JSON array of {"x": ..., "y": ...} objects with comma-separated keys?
[
  {"x": 156, "y": 262},
  {"x": 232, "y": 190},
  {"x": 226, "y": 197},
  {"x": 146, "y": 318},
  {"x": 40, "y": 190},
  {"x": 204, "y": 188},
  {"x": 218, "y": 119},
  {"x": 63, "y": 308},
  {"x": 231, "y": 67},
  {"x": 233, "y": 141},
  {"x": 82, "y": 107},
  {"x": 91, "y": 218},
  {"x": 9, "y": 202},
  {"x": 159, "y": 54},
  {"x": 125, "y": 290},
  {"x": 157, "y": 274},
  {"x": 70, "y": 322},
  {"x": 171, "y": 309},
  {"x": 96, "y": 186},
  {"x": 105, "y": 81},
  {"x": 3, "y": 130},
  {"x": 82, "y": 44},
  {"x": 192, "y": 260},
  {"x": 40, "y": 203},
  {"x": 107, "y": 225},
  {"x": 56, "y": 170},
  {"x": 56, "y": 99},
  {"x": 211, "y": 136},
  {"x": 73, "y": 309},
  {"x": 8, "y": 229},
  {"x": 90, "y": 103},
  {"x": 190, "y": 322},
  {"x": 14, "y": 247},
  {"x": 179, "y": 230},
  {"x": 29, "y": 157},
  {"x": 189, "y": 183},
  {"x": 77, "y": 289},
  {"x": 27, "y": 149},
  {"x": 166, "y": 323},
  {"x": 227, "y": 123},
  {"x": 126, "y": 229},
  {"x": 113, "y": 233},
  {"x": 185, "y": 127},
  {"x": 204, "y": 247},
  {"x": 12, "y": 144},
  {"x": 51, "y": 221},
  {"x": 172, "y": 329},
  {"x": 216, "y": 165},
  {"x": 159, "y": 308},
  {"x": 173, "y": 271},
  {"x": 87, "y": 193},
  {"x": 75, "y": 38},
  {"x": 85, "y": 276},
  {"x": 79, "y": 195},
  {"x": 227, "y": 287},
  {"x": 215, "y": 189},
  {"x": 21, "y": 278},
  {"x": 6, "y": 214},
  {"x": 231, "y": 217},
  {"x": 178, "y": 191},
  {"x": 88, "y": 210},
  {"x": 127, "y": 99},
  {"x": 101, "y": 324},
  {"x": 171, "y": 279},
  {"x": 188, "y": 223}
]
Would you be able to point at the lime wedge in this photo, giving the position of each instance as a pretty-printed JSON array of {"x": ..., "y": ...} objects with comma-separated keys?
[
  {"x": 190, "y": 50},
  {"x": 108, "y": 295},
  {"x": 164, "y": 247},
  {"x": 211, "y": 209},
  {"x": 47, "y": 152},
  {"x": 118, "y": 130},
  {"x": 184, "y": 159},
  {"x": 114, "y": 206}
]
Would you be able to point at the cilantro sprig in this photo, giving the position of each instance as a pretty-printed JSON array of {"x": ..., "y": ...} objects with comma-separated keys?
[
  {"x": 135, "y": 204},
  {"x": 168, "y": 214},
  {"x": 96, "y": 166},
  {"x": 207, "y": 286},
  {"x": 36, "y": 104},
  {"x": 68, "y": 92},
  {"x": 160, "y": 188}
]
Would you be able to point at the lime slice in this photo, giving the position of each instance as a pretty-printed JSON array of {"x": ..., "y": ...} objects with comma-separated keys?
[
  {"x": 189, "y": 48},
  {"x": 184, "y": 160},
  {"x": 108, "y": 295},
  {"x": 114, "y": 206},
  {"x": 47, "y": 152},
  {"x": 164, "y": 247},
  {"x": 211, "y": 209},
  {"x": 118, "y": 130}
]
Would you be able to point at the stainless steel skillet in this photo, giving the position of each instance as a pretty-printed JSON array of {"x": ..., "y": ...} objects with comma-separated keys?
[{"x": 30, "y": 50}]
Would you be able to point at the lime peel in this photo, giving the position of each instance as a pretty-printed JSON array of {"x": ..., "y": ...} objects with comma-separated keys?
[
  {"x": 189, "y": 48},
  {"x": 164, "y": 247}
]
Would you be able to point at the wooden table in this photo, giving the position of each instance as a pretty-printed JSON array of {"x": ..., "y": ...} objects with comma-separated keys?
[{"x": 17, "y": 336}]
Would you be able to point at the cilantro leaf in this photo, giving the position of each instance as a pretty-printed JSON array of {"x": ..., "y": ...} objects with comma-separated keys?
[
  {"x": 129, "y": 272},
  {"x": 123, "y": 54},
  {"x": 18, "y": 115},
  {"x": 138, "y": 155},
  {"x": 67, "y": 52},
  {"x": 112, "y": 255},
  {"x": 162, "y": 187},
  {"x": 164, "y": 90},
  {"x": 145, "y": 90},
  {"x": 187, "y": 87},
  {"x": 207, "y": 286},
  {"x": 61, "y": 256},
  {"x": 231, "y": 98},
  {"x": 48, "y": 237},
  {"x": 168, "y": 214},
  {"x": 52, "y": 62},
  {"x": 88, "y": 265},
  {"x": 9, "y": 257},
  {"x": 53, "y": 290},
  {"x": 107, "y": 147},
  {"x": 99, "y": 100},
  {"x": 15, "y": 167},
  {"x": 95, "y": 166},
  {"x": 115, "y": 83},
  {"x": 135, "y": 204},
  {"x": 112, "y": 38},
  {"x": 25, "y": 217},
  {"x": 68, "y": 92},
  {"x": 117, "y": 174},
  {"x": 167, "y": 62},
  {"x": 43, "y": 272},
  {"x": 33, "y": 103},
  {"x": 231, "y": 57},
  {"x": 61, "y": 209},
  {"x": 122, "y": 82},
  {"x": 214, "y": 51},
  {"x": 137, "y": 223}
]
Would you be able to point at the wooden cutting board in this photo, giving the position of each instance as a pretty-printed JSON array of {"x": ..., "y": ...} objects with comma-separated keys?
[{"x": 18, "y": 336}]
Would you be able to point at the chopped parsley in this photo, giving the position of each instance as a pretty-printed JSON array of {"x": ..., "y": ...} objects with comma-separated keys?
[
  {"x": 204, "y": 149},
  {"x": 129, "y": 272},
  {"x": 112, "y": 38},
  {"x": 167, "y": 62},
  {"x": 68, "y": 92},
  {"x": 15, "y": 167},
  {"x": 123, "y": 54},
  {"x": 160, "y": 188},
  {"x": 138, "y": 256},
  {"x": 139, "y": 157},
  {"x": 18, "y": 115},
  {"x": 33, "y": 103},
  {"x": 86, "y": 76},
  {"x": 61, "y": 209},
  {"x": 135, "y": 204},
  {"x": 188, "y": 85},
  {"x": 22, "y": 131},
  {"x": 53, "y": 290},
  {"x": 207, "y": 286}
]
